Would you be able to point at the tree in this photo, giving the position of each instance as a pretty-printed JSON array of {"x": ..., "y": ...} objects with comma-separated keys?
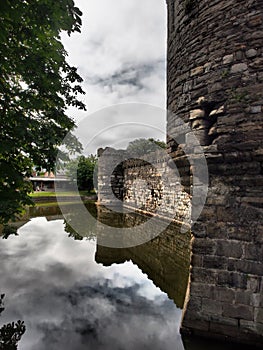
[
  {"x": 36, "y": 87},
  {"x": 11, "y": 333},
  {"x": 140, "y": 147},
  {"x": 81, "y": 171}
]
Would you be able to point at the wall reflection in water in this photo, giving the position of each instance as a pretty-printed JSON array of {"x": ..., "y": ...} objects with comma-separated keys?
[{"x": 165, "y": 259}]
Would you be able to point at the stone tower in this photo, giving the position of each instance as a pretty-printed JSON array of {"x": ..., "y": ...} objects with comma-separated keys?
[{"x": 215, "y": 84}]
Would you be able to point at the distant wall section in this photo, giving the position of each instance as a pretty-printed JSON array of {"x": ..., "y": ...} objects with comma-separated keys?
[{"x": 141, "y": 184}]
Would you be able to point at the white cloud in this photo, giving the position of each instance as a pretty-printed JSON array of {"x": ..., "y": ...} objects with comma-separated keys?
[
  {"x": 120, "y": 53},
  {"x": 117, "y": 34}
]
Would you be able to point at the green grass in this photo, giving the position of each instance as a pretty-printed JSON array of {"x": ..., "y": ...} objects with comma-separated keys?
[
  {"x": 48, "y": 204},
  {"x": 52, "y": 204},
  {"x": 60, "y": 194}
]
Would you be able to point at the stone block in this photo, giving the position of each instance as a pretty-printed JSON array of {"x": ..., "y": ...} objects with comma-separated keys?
[
  {"x": 218, "y": 112},
  {"x": 232, "y": 264},
  {"x": 239, "y": 68},
  {"x": 203, "y": 246},
  {"x": 199, "y": 229},
  {"x": 228, "y": 59},
  {"x": 259, "y": 315},
  {"x": 214, "y": 262},
  {"x": 253, "y": 283},
  {"x": 215, "y": 87},
  {"x": 196, "y": 71},
  {"x": 251, "y": 53},
  {"x": 196, "y": 114},
  {"x": 238, "y": 311},
  {"x": 243, "y": 297},
  {"x": 197, "y": 260},
  {"x": 201, "y": 275},
  {"x": 232, "y": 279},
  {"x": 194, "y": 304},
  {"x": 234, "y": 157},
  {"x": 257, "y": 300},
  {"x": 201, "y": 290},
  {"x": 211, "y": 306},
  {"x": 216, "y": 230},
  {"x": 255, "y": 21},
  {"x": 224, "y": 294},
  {"x": 241, "y": 234},
  {"x": 249, "y": 326},
  {"x": 217, "y": 200},
  {"x": 250, "y": 267},
  {"x": 239, "y": 55},
  {"x": 224, "y": 214},
  {"x": 255, "y": 109},
  {"x": 256, "y": 63},
  {"x": 260, "y": 76},
  {"x": 200, "y": 124},
  {"x": 229, "y": 249},
  {"x": 258, "y": 155},
  {"x": 253, "y": 251},
  {"x": 256, "y": 34}
]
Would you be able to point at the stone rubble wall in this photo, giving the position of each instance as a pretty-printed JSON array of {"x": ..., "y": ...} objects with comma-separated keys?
[
  {"x": 215, "y": 84},
  {"x": 143, "y": 184},
  {"x": 147, "y": 187}
]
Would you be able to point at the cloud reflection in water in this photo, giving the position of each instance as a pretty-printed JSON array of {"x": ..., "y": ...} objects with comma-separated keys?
[{"x": 68, "y": 301}]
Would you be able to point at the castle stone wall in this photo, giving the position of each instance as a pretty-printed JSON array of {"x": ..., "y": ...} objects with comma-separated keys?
[{"x": 215, "y": 84}]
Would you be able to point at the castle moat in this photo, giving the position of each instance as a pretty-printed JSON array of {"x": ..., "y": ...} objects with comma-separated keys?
[{"x": 72, "y": 293}]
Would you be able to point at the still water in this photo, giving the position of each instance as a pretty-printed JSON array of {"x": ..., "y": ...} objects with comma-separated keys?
[{"x": 74, "y": 294}]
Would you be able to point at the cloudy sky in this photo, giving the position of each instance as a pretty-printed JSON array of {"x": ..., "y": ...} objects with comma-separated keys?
[{"x": 121, "y": 56}]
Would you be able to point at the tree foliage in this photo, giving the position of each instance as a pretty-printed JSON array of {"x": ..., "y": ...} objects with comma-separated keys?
[
  {"x": 37, "y": 85},
  {"x": 142, "y": 146},
  {"x": 81, "y": 171},
  {"x": 11, "y": 333}
]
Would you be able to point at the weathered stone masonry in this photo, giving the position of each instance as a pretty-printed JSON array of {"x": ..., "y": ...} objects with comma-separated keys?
[
  {"x": 140, "y": 184},
  {"x": 215, "y": 83}
]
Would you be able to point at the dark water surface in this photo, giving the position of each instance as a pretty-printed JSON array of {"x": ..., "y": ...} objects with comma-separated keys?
[{"x": 74, "y": 294}]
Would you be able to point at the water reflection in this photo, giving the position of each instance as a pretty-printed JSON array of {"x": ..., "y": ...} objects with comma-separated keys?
[
  {"x": 165, "y": 259},
  {"x": 11, "y": 333},
  {"x": 70, "y": 301}
]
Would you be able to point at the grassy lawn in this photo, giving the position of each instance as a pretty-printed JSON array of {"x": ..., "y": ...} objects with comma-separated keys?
[{"x": 60, "y": 194}]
